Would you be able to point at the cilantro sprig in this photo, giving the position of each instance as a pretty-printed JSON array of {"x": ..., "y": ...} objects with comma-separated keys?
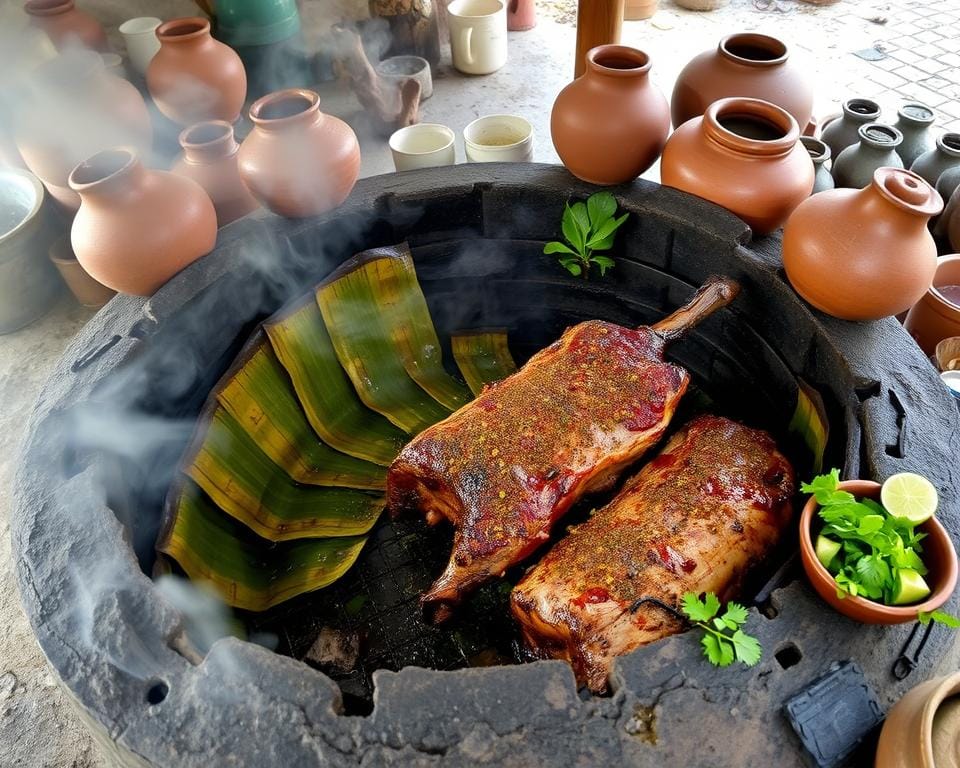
[
  {"x": 587, "y": 227},
  {"x": 724, "y": 639}
]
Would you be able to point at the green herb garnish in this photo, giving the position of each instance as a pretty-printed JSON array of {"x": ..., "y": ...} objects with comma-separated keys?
[
  {"x": 724, "y": 640},
  {"x": 940, "y": 617},
  {"x": 588, "y": 227}
]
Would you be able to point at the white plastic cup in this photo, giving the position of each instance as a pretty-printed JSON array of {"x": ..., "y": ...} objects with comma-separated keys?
[
  {"x": 498, "y": 139},
  {"x": 140, "y": 36},
  {"x": 478, "y": 35},
  {"x": 424, "y": 145}
]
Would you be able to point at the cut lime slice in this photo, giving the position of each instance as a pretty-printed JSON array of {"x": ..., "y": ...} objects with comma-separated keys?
[
  {"x": 911, "y": 588},
  {"x": 909, "y": 496}
]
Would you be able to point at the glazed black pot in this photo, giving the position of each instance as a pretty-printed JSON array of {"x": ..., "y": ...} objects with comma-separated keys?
[
  {"x": 877, "y": 148},
  {"x": 945, "y": 155},
  {"x": 842, "y": 132}
]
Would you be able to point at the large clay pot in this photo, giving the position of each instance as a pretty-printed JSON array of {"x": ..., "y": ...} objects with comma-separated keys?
[
  {"x": 923, "y": 728},
  {"x": 522, "y": 15},
  {"x": 945, "y": 155},
  {"x": 745, "y": 155},
  {"x": 66, "y": 25},
  {"x": 933, "y": 319},
  {"x": 73, "y": 109},
  {"x": 914, "y": 121},
  {"x": 840, "y": 132},
  {"x": 749, "y": 65},
  {"x": 298, "y": 161},
  {"x": 877, "y": 148},
  {"x": 635, "y": 124},
  {"x": 194, "y": 77},
  {"x": 210, "y": 159},
  {"x": 136, "y": 228},
  {"x": 863, "y": 254},
  {"x": 819, "y": 155}
]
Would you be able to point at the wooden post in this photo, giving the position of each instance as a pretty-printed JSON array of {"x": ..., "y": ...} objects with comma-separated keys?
[{"x": 598, "y": 23}]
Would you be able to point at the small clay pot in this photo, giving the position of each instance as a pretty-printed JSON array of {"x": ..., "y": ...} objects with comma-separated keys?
[
  {"x": 298, "y": 161},
  {"x": 635, "y": 10},
  {"x": 85, "y": 289},
  {"x": 947, "y": 354},
  {"x": 136, "y": 228},
  {"x": 193, "y": 77},
  {"x": 746, "y": 65},
  {"x": 745, "y": 155},
  {"x": 933, "y": 318},
  {"x": 914, "y": 121},
  {"x": 864, "y": 254},
  {"x": 617, "y": 149},
  {"x": 945, "y": 155},
  {"x": 522, "y": 15},
  {"x": 877, "y": 148},
  {"x": 819, "y": 155},
  {"x": 841, "y": 131},
  {"x": 210, "y": 159},
  {"x": 922, "y": 730},
  {"x": 66, "y": 25},
  {"x": 938, "y": 555}
]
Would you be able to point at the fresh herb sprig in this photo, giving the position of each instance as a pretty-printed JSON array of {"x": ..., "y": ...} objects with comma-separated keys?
[
  {"x": 940, "y": 617},
  {"x": 725, "y": 639},
  {"x": 588, "y": 227}
]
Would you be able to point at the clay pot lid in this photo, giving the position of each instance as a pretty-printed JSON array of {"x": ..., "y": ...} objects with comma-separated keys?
[
  {"x": 861, "y": 110},
  {"x": 211, "y": 138},
  {"x": 102, "y": 168},
  {"x": 949, "y": 143},
  {"x": 617, "y": 61},
  {"x": 183, "y": 30},
  {"x": 880, "y": 136},
  {"x": 281, "y": 108},
  {"x": 916, "y": 113},
  {"x": 819, "y": 151},
  {"x": 784, "y": 131},
  {"x": 47, "y": 7},
  {"x": 752, "y": 49},
  {"x": 908, "y": 190}
]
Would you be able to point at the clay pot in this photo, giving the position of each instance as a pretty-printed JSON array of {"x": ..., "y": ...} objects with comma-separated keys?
[
  {"x": 923, "y": 728},
  {"x": 210, "y": 159},
  {"x": 136, "y": 228},
  {"x": 617, "y": 149},
  {"x": 745, "y": 155},
  {"x": 748, "y": 65},
  {"x": 945, "y": 155},
  {"x": 522, "y": 15},
  {"x": 819, "y": 154},
  {"x": 73, "y": 110},
  {"x": 812, "y": 128},
  {"x": 933, "y": 318},
  {"x": 938, "y": 555},
  {"x": 914, "y": 121},
  {"x": 948, "y": 182},
  {"x": 877, "y": 148},
  {"x": 298, "y": 161},
  {"x": 85, "y": 289},
  {"x": 66, "y": 25},
  {"x": 864, "y": 254},
  {"x": 635, "y": 10},
  {"x": 194, "y": 77},
  {"x": 841, "y": 131}
]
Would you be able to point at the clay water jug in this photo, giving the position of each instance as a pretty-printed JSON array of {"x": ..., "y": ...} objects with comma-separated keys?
[
  {"x": 840, "y": 133},
  {"x": 635, "y": 124},
  {"x": 136, "y": 228},
  {"x": 863, "y": 254},
  {"x": 298, "y": 161},
  {"x": 877, "y": 148},
  {"x": 66, "y": 25},
  {"x": 819, "y": 154},
  {"x": 914, "y": 121},
  {"x": 745, "y": 155},
  {"x": 944, "y": 155},
  {"x": 748, "y": 65},
  {"x": 193, "y": 77},
  {"x": 210, "y": 159}
]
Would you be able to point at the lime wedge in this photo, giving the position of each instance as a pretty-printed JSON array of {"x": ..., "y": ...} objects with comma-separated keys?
[
  {"x": 911, "y": 588},
  {"x": 909, "y": 496}
]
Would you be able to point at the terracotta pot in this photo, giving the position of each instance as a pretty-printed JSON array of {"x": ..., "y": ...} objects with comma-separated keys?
[
  {"x": 945, "y": 155},
  {"x": 923, "y": 728},
  {"x": 938, "y": 555},
  {"x": 85, "y": 289},
  {"x": 66, "y": 25},
  {"x": 933, "y": 318},
  {"x": 73, "y": 110},
  {"x": 840, "y": 131},
  {"x": 864, "y": 254},
  {"x": 819, "y": 155},
  {"x": 194, "y": 77},
  {"x": 210, "y": 159},
  {"x": 136, "y": 228},
  {"x": 914, "y": 121},
  {"x": 617, "y": 149},
  {"x": 298, "y": 161},
  {"x": 635, "y": 10},
  {"x": 745, "y": 155},
  {"x": 521, "y": 15},
  {"x": 746, "y": 65},
  {"x": 877, "y": 148}
]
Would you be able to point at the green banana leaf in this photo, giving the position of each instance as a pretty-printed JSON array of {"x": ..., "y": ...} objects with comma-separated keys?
[
  {"x": 301, "y": 342},
  {"x": 483, "y": 357},
  {"x": 248, "y": 572}
]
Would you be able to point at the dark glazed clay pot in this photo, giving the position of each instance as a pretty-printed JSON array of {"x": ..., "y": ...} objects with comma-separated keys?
[
  {"x": 747, "y": 65},
  {"x": 745, "y": 155},
  {"x": 819, "y": 155},
  {"x": 914, "y": 121},
  {"x": 842, "y": 131},
  {"x": 864, "y": 254},
  {"x": 945, "y": 155},
  {"x": 635, "y": 124},
  {"x": 66, "y": 25},
  {"x": 877, "y": 148}
]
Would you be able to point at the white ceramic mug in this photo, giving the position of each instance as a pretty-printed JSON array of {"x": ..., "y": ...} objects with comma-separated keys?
[
  {"x": 140, "y": 36},
  {"x": 424, "y": 145},
  {"x": 499, "y": 138},
  {"x": 478, "y": 35}
]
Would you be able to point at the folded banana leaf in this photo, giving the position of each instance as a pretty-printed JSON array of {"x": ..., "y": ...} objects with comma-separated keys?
[
  {"x": 248, "y": 572},
  {"x": 483, "y": 357},
  {"x": 302, "y": 344}
]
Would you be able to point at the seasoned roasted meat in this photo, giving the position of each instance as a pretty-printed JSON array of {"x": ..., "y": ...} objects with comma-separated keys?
[
  {"x": 505, "y": 467},
  {"x": 695, "y": 519}
]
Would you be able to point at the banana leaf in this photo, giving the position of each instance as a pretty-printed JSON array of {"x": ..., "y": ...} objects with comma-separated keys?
[
  {"x": 248, "y": 572},
  {"x": 483, "y": 357},
  {"x": 384, "y": 338},
  {"x": 242, "y": 480},
  {"x": 301, "y": 342}
]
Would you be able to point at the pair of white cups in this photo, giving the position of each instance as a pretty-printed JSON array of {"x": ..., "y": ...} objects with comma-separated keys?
[{"x": 491, "y": 139}]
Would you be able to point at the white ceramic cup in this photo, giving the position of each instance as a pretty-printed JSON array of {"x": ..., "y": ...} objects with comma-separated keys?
[
  {"x": 424, "y": 145},
  {"x": 498, "y": 139},
  {"x": 478, "y": 35},
  {"x": 140, "y": 36}
]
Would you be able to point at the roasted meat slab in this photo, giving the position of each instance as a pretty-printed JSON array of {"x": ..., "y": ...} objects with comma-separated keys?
[
  {"x": 695, "y": 519},
  {"x": 505, "y": 467}
]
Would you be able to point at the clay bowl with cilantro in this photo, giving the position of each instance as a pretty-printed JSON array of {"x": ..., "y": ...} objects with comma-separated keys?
[{"x": 870, "y": 564}]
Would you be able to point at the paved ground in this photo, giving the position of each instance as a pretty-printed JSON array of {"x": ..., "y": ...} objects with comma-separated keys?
[{"x": 891, "y": 52}]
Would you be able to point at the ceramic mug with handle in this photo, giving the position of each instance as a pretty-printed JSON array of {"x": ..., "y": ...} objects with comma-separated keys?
[{"x": 478, "y": 35}]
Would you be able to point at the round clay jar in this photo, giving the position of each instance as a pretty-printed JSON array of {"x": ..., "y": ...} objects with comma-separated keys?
[
  {"x": 914, "y": 121},
  {"x": 944, "y": 156},
  {"x": 877, "y": 148},
  {"x": 844, "y": 130}
]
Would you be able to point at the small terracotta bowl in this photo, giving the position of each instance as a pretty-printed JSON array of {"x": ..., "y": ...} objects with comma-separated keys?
[{"x": 938, "y": 555}]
